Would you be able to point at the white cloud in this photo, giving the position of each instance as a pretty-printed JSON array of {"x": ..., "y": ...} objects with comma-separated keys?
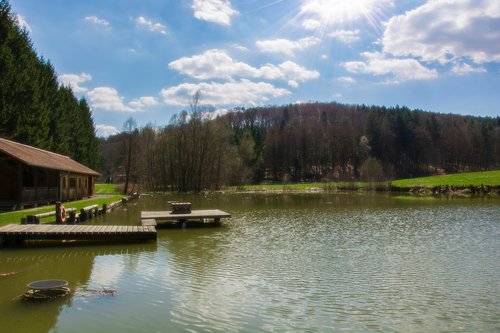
[
  {"x": 243, "y": 92},
  {"x": 346, "y": 80},
  {"x": 21, "y": 21},
  {"x": 241, "y": 48},
  {"x": 96, "y": 20},
  {"x": 143, "y": 102},
  {"x": 319, "y": 14},
  {"x": 152, "y": 26},
  {"x": 215, "y": 11},
  {"x": 398, "y": 70},
  {"x": 345, "y": 36},
  {"x": 312, "y": 24},
  {"x": 107, "y": 98},
  {"x": 286, "y": 46},
  {"x": 74, "y": 81},
  {"x": 444, "y": 31},
  {"x": 292, "y": 71},
  {"x": 216, "y": 113},
  {"x": 104, "y": 131},
  {"x": 218, "y": 64},
  {"x": 212, "y": 64},
  {"x": 464, "y": 69}
]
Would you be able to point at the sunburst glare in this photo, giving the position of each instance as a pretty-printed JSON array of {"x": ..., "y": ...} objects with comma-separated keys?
[{"x": 320, "y": 14}]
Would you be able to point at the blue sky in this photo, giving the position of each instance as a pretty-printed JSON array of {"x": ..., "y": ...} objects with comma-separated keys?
[{"x": 146, "y": 59}]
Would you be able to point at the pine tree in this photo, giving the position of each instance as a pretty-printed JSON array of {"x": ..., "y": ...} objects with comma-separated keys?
[{"x": 34, "y": 108}]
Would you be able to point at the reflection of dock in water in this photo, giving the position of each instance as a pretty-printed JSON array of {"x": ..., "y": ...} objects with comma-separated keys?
[{"x": 195, "y": 218}]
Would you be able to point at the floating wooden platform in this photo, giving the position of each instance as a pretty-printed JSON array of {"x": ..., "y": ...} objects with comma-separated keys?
[
  {"x": 20, "y": 232},
  {"x": 196, "y": 218}
]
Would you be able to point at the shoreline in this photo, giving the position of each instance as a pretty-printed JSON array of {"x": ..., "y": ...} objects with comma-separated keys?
[{"x": 421, "y": 191}]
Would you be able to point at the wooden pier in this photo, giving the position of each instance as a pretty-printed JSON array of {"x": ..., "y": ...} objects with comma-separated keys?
[
  {"x": 15, "y": 233},
  {"x": 195, "y": 218}
]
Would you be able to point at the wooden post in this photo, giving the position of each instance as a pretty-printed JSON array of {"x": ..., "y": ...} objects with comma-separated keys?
[
  {"x": 19, "y": 185},
  {"x": 83, "y": 215},
  {"x": 72, "y": 217},
  {"x": 104, "y": 208},
  {"x": 58, "y": 217}
]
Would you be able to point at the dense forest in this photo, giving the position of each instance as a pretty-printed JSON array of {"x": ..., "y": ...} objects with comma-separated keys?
[
  {"x": 300, "y": 142},
  {"x": 34, "y": 108},
  {"x": 345, "y": 142}
]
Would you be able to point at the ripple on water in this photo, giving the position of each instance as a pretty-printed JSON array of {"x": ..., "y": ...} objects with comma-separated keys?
[{"x": 287, "y": 267}]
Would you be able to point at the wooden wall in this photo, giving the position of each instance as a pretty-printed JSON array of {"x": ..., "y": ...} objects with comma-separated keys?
[{"x": 75, "y": 186}]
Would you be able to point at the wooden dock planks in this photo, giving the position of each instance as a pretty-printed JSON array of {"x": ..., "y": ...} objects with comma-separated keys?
[
  {"x": 193, "y": 219},
  {"x": 20, "y": 232},
  {"x": 195, "y": 214}
]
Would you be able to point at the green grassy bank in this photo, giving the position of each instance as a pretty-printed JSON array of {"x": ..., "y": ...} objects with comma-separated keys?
[
  {"x": 310, "y": 187},
  {"x": 106, "y": 189},
  {"x": 461, "y": 180},
  {"x": 105, "y": 194},
  {"x": 489, "y": 178}
]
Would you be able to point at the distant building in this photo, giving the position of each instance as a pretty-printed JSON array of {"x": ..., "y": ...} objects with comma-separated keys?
[{"x": 30, "y": 176}]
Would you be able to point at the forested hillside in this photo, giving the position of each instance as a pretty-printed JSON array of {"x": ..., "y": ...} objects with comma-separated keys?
[
  {"x": 301, "y": 142},
  {"x": 34, "y": 108},
  {"x": 343, "y": 142}
]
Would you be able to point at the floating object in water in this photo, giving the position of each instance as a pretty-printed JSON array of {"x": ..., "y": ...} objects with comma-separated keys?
[
  {"x": 103, "y": 291},
  {"x": 91, "y": 292},
  {"x": 7, "y": 273},
  {"x": 46, "y": 289}
]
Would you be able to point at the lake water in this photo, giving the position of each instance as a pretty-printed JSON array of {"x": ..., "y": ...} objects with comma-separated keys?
[{"x": 284, "y": 263}]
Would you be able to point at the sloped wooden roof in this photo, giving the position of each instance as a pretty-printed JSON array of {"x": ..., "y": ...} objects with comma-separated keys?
[{"x": 42, "y": 158}]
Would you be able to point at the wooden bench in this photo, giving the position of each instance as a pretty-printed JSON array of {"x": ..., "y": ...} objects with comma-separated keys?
[{"x": 35, "y": 219}]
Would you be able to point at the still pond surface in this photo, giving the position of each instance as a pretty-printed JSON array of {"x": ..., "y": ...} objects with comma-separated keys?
[{"x": 284, "y": 263}]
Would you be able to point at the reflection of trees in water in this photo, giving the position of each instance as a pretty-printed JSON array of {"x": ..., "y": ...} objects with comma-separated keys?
[
  {"x": 196, "y": 253},
  {"x": 71, "y": 263}
]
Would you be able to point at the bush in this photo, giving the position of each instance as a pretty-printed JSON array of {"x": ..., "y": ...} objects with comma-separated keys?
[{"x": 372, "y": 170}]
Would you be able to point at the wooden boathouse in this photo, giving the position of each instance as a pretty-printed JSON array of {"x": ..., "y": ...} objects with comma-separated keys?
[{"x": 31, "y": 176}]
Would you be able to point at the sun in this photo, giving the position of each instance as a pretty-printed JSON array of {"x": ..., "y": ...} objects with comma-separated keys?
[{"x": 321, "y": 13}]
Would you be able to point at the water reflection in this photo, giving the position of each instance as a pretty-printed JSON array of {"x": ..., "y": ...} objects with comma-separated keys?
[
  {"x": 74, "y": 264},
  {"x": 281, "y": 263}
]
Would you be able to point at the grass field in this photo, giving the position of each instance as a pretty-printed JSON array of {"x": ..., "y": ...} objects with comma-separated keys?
[
  {"x": 106, "y": 189},
  {"x": 281, "y": 186},
  {"x": 310, "y": 186},
  {"x": 105, "y": 194},
  {"x": 458, "y": 179}
]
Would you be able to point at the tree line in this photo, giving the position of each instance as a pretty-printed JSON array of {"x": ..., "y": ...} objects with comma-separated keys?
[
  {"x": 35, "y": 109},
  {"x": 191, "y": 153},
  {"x": 299, "y": 142},
  {"x": 331, "y": 141}
]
